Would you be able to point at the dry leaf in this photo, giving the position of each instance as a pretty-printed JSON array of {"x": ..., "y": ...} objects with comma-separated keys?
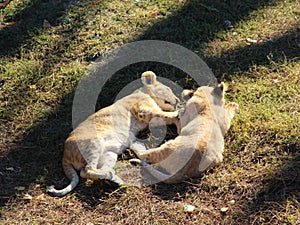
[
  {"x": 39, "y": 197},
  {"x": 46, "y": 24},
  {"x": 27, "y": 197},
  {"x": 32, "y": 86}
]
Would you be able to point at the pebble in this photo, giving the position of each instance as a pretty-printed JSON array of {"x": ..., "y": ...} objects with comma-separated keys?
[
  {"x": 224, "y": 209},
  {"x": 188, "y": 208},
  {"x": 251, "y": 41},
  {"x": 231, "y": 202}
]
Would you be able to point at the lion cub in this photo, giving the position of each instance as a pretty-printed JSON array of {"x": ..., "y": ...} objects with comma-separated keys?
[
  {"x": 203, "y": 122},
  {"x": 92, "y": 148}
]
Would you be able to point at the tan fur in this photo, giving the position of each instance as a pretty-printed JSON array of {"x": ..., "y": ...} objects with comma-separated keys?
[
  {"x": 200, "y": 144},
  {"x": 92, "y": 148}
]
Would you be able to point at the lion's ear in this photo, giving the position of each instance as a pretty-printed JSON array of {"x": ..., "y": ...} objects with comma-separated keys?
[
  {"x": 148, "y": 78},
  {"x": 186, "y": 95},
  {"x": 221, "y": 86},
  {"x": 224, "y": 87},
  {"x": 220, "y": 89}
]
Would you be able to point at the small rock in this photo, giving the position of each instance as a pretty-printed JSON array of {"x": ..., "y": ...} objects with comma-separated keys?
[
  {"x": 251, "y": 41},
  {"x": 224, "y": 209},
  {"x": 188, "y": 208},
  {"x": 232, "y": 202}
]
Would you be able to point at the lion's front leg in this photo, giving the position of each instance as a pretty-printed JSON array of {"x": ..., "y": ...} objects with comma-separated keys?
[
  {"x": 153, "y": 155},
  {"x": 145, "y": 111}
]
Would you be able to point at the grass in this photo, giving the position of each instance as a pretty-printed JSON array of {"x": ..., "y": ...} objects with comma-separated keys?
[{"x": 40, "y": 68}]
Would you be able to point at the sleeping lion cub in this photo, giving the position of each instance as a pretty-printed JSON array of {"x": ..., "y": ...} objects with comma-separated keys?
[
  {"x": 204, "y": 121},
  {"x": 92, "y": 148}
]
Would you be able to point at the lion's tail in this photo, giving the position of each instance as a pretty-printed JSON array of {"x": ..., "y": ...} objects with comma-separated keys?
[{"x": 73, "y": 177}]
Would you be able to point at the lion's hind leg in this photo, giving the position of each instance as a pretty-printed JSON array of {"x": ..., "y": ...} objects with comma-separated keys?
[
  {"x": 103, "y": 172},
  {"x": 100, "y": 174}
]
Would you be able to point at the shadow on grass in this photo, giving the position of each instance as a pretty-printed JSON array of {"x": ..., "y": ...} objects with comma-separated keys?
[
  {"x": 200, "y": 21},
  {"x": 36, "y": 156},
  {"x": 196, "y": 23},
  {"x": 27, "y": 23},
  {"x": 277, "y": 190},
  {"x": 241, "y": 59}
]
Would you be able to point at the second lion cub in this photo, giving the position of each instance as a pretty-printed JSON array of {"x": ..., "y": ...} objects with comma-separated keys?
[{"x": 200, "y": 144}]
